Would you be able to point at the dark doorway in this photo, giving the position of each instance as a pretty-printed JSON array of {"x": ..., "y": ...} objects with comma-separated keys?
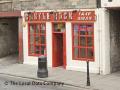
[
  {"x": 9, "y": 39},
  {"x": 114, "y": 40}
]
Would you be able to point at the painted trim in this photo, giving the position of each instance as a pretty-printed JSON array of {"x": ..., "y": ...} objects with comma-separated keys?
[
  {"x": 10, "y": 14},
  {"x": 20, "y": 39}
]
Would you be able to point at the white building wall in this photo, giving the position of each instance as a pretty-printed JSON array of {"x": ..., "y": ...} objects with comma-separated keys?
[
  {"x": 114, "y": 3},
  {"x": 49, "y": 43},
  {"x": 105, "y": 41},
  {"x": 101, "y": 42},
  {"x": 27, "y": 59}
]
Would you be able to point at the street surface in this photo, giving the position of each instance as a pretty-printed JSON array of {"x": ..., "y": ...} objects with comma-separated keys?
[{"x": 17, "y": 83}]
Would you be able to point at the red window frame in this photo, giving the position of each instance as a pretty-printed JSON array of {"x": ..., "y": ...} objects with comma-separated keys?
[
  {"x": 87, "y": 48},
  {"x": 37, "y": 34}
]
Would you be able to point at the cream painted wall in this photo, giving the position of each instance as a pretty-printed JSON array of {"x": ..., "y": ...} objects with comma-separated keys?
[
  {"x": 105, "y": 41},
  {"x": 27, "y": 59},
  {"x": 49, "y": 43},
  {"x": 101, "y": 42},
  {"x": 114, "y": 3}
]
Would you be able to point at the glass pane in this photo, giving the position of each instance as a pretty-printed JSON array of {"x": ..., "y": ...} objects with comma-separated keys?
[
  {"x": 55, "y": 27},
  {"x": 42, "y": 31},
  {"x": 75, "y": 41},
  {"x": 90, "y": 53},
  {"x": 31, "y": 49},
  {"x": 32, "y": 29},
  {"x": 82, "y": 41},
  {"x": 82, "y": 53},
  {"x": 42, "y": 50},
  {"x": 37, "y": 49},
  {"x": 82, "y": 32},
  {"x": 42, "y": 38},
  {"x": 31, "y": 39},
  {"x": 75, "y": 52},
  {"x": 37, "y": 28},
  {"x": 89, "y": 29},
  {"x": 59, "y": 27},
  {"x": 76, "y": 29},
  {"x": 89, "y": 41},
  {"x": 37, "y": 39},
  {"x": 82, "y": 27},
  {"x": 42, "y": 28},
  {"x": 62, "y": 26},
  {"x": 89, "y": 32}
]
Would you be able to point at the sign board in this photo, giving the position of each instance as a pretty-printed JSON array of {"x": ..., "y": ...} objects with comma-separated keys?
[{"x": 61, "y": 16}]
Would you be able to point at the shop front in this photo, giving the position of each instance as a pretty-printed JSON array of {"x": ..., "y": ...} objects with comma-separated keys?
[{"x": 68, "y": 38}]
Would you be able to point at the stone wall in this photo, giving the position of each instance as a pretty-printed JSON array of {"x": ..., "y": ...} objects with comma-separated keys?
[
  {"x": 5, "y": 5},
  {"x": 8, "y": 36},
  {"x": 46, "y": 4},
  {"x": 115, "y": 40}
]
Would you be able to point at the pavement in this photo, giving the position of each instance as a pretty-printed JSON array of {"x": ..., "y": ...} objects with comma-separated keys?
[
  {"x": 8, "y": 60},
  {"x": 17, "y": 83},
  {"x": 68, "y": 77}
]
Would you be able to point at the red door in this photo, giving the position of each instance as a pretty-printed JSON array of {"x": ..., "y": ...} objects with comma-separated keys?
[
  {"x": 57, "y": 50},
  {"x": 59, "y": 45}
]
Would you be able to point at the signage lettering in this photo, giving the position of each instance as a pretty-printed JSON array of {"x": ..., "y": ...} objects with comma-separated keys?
[{"x": 60, "y": 16}]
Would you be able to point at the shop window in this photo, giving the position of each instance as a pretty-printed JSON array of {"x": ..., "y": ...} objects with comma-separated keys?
[
  {"x": 37, "y": 39},
  {"x": 83, "y": 41}
]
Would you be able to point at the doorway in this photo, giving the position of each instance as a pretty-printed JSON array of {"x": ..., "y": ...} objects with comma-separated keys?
[
  {"x": 114, "y": 40},
  {"x": 8, "y": 40},
  {"x": 59, "y": 45}
]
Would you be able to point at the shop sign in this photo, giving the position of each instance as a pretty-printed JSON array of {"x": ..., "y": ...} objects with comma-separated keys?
[{"x": 60, "y": 16}]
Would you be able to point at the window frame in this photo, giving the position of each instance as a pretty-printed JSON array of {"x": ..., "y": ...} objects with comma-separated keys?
[
  {"x": 80, "y": 47},
  {"x": 34, "y": 36}
]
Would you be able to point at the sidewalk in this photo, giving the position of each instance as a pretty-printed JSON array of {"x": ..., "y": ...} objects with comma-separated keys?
[
  {"x": 8, "y": 60},
  {"x": 72, "y": 78}
]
